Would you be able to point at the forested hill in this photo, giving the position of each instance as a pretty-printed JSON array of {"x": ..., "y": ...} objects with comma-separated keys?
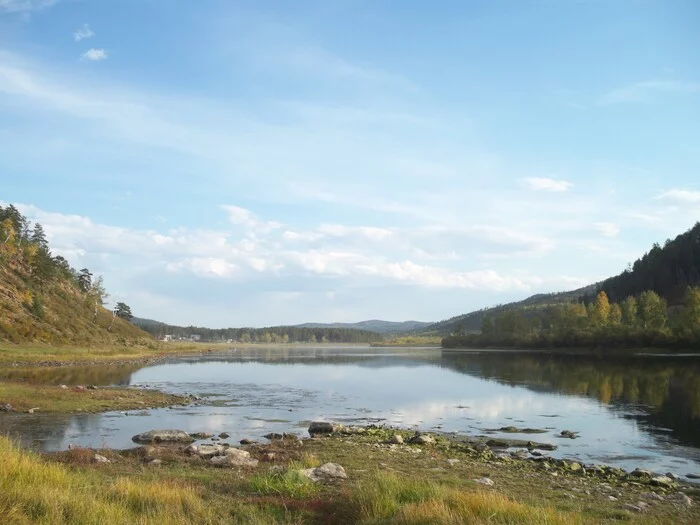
[
  {"x": 43, "y": 299},
  {"x": 472, "y": 321},
  {"x": 668, "y": 271},
  {"x": 272, "y": 334},
  {"x": 374, "y": 325}
]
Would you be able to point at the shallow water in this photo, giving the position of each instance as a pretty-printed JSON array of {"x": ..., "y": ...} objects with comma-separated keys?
[{"x": 632, "y": 411}]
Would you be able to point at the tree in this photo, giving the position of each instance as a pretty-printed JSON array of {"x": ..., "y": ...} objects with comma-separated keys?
[
  {"x": 39, "y": 237},
  {"x": 98, "y": 292},
  {"x": 600, "y": 310},
  {"x": 630, "y": 310},
  {"x": 691, "y": 313},
  {"x": 85, "y": 280},
  {"x": 652, "y": 310},
  {"x": 123, "y": 311},
  {"x": 615, "y": 315}
]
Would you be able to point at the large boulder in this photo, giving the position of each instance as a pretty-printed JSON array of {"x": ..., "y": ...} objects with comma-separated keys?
[
  {"x": 210, "y": 450},
  {"x": 326, "y": 472},
  {"x": 235, "y": 457},
  {"x": 323, "y": 427},
  {"x": 163, "y": 436}
]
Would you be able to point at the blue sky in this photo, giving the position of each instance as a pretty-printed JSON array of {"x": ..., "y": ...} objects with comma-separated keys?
[{"x": 231, "y": 163}]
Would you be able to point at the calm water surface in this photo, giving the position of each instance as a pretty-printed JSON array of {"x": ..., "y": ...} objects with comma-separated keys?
[{"x": 636, "y": 411}]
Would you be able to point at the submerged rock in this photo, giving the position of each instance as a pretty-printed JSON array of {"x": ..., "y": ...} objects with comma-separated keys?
[
  {"x": 201, "y": 435},
  {"x": 326, "y": 472},
  {"x": 568, "y": 434},
  {"x": 163, "y": 436}
]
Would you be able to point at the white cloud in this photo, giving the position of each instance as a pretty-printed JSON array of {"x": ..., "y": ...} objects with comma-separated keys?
[
  {"x": 547, "y": 184},
  {"x": 83, "y": 33},
  {"x": 15, "y": 6},
  {"x": 608, "y": 229},
  {"x": 644, "y": 91},
  {"x": 680, "y": 197},
  {"x": 95, "y": 54}
]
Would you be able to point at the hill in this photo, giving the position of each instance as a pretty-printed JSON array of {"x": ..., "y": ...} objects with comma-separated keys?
[
  {"x": 472, "y": 321},
  {"x": 374, "y": 325},
  {"x": 44, "y": 300}
]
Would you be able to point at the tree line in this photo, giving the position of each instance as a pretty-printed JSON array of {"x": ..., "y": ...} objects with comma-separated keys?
[
  {"x": 641, "y": 320},
  {"x": 273, "y": 334}
]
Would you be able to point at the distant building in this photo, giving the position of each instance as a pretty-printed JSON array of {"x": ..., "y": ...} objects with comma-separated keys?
[
  {"x": 195, "y": 337},
  {"x": 167, "y": 338}
]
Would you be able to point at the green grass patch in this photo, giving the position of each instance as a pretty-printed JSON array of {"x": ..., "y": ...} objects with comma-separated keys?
[{"x": 24, "y": 396}]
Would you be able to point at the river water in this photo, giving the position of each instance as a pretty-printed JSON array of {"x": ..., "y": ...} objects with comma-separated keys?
[{"x": 632, "y": 411}]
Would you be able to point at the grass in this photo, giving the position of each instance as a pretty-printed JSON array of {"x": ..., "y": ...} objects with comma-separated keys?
[
  {"x": 24, "y": 396},
  {"x": 52, "y": 354},
  {"x": 384, "y": 487}
]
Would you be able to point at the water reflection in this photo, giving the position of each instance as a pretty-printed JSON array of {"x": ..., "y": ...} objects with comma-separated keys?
[
  {"x": 661, "y": 393},
  {"x": 100, "y": 375}
]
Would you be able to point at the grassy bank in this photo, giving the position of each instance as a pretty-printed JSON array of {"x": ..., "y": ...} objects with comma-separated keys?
[
  {"x": 54, "y": 399},
  {"x": 404, "y": 484},
  {"x": 34, "y": 354}
]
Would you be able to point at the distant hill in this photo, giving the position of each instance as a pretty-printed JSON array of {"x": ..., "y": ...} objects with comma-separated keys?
[
  {"x": 471, "y": 322},
  {"x": 44, "y": 300},
  {"x": 271, "y": 334},
  {"x": 374, "y": 325}
]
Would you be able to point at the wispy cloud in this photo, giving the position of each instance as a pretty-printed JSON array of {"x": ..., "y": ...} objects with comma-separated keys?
[
  {"x": 608, "y": 229},
  {"x": 547, "y": 184},
  {"x": 83, "y": 33},
  {"x": 680, "y": 197},
  {"x": 644, "y": 91},
  {"x": 95, "y": 54},
  {"x": 18, "y": 6}
]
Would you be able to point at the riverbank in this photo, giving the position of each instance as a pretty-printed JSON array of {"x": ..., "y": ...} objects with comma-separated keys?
[
  {"x": 438, "y": 481},
  {"x": 147, "y": 351},
  {"x": 63, "y": 399}
]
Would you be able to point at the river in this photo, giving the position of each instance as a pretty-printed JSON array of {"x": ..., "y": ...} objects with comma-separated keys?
[{"x": 629, "y": 411}]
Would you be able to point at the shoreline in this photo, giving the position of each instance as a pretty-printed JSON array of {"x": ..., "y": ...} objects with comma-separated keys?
[{"x": 372, "y": 458}]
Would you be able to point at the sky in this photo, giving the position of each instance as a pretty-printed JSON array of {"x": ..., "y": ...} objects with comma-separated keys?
[{"x": 256, "y": 163}]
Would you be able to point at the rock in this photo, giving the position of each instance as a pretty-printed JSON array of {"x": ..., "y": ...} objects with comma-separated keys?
[
  {"x": 674, "y": 477},
  {"x": 323, "y": 427},
  {"x": 568, "y": 434},
  {"x": 682, "y": 499},
  {"x": 642, "y": 473},
  {"x": 484, "y": 481},
  {"x": 272, "y": 436},
  {"x": 575, "y": 466},
  {"x": 235, "y": 457},
  {"x": 663, "y": 481},
  {"x": 100, "y": 459},
  {"x": 155, "y": 462},
  {"x": 224, "y": 435},
  {"x": 163, "y": 436},
  {"x": 246, "y": 441},
  {"x": 396, "y": 439},
  {"x": 191, "y": 449},
  {"x": 7, "y": 407},
  {"x": 640, "y": 507},
  {"x": 269, "y": 456},
  {"x": 201, "y": 435},
  {"x": 422, "y": 439},
  {"x": 692, "y": 476},
  {"x": 326, "y": 472},
  {"x": 216, "y": 439},
  {"x": 612, "y": 498},
  {"x": 452, "y": 462},
  {"x": 64, "y": 387},
  {"x": 32, "y": 410},
  {"x": 92, "y": 387},
  {"x": 210, "y": 450}
]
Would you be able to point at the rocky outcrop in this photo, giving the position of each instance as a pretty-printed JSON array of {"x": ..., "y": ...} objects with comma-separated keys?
[{"x": 323, "y": 427}]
